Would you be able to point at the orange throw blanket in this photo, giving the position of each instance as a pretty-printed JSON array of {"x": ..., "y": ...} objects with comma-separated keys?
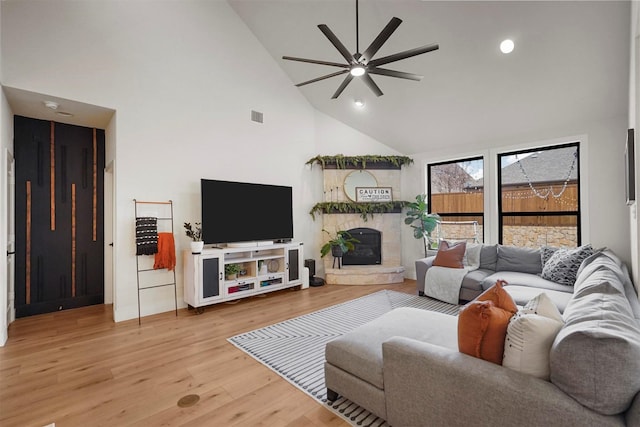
[{"x": 166, "y": 256}]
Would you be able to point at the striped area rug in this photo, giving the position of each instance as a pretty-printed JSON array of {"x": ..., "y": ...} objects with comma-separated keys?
[{"x": 295, "y": 348}]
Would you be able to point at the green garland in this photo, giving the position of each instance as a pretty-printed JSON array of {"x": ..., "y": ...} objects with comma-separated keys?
[
  {"x": 364, "y": 209},
  {"x": 342, "y": 162}
]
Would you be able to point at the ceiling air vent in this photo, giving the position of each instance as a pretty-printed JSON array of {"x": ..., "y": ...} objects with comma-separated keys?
[{"x": 257, "y": 116}]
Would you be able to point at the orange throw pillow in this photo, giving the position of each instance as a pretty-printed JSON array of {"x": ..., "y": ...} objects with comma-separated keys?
[
  {"x": 499, "y": 297},
  {"x": 450, "y": 256},
  {"x": 482, "y": 328},
  {"x": 482, "y": 324}
]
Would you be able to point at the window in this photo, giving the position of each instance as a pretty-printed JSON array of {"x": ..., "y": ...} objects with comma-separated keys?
[
  {"x": 539, "y": 201},
  {"x": 456, "y": 193}
]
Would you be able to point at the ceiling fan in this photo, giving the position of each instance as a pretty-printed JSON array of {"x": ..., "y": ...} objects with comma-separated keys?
[{"x": 362, "y": 64}]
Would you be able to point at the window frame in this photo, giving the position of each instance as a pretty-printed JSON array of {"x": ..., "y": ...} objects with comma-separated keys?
[
  {"x": 460, "y": 214},
  {"x": 577, "y": 213}
]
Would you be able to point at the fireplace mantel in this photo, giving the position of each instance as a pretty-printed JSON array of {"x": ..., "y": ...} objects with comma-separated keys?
[{"x": 365, "y": 210}]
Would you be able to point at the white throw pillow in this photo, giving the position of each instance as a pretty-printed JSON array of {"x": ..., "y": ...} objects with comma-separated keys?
[
  {"x": 528, "y": 343},
  {"x": 542, "y": 305},
  {"x": 472, "y": 256}
]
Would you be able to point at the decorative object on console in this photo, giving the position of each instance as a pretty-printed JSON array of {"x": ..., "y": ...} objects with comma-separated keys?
[
  {"x": 362, "y": 64},
  {"x": 482, "y": 324},
  {"x": 231, "y": 271},
  {"x": 194, "y": 232},
  {"x": 422, "y": 222}
]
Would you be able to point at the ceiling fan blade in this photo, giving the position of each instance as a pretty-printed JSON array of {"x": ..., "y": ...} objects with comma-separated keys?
[
  {"x": 404, "y": 55},
  {"x": 315, "y": 61},
  {"x": 337, "y": 43},
  {"x": 372, "y": 85},
  {"x": 394, "y": 73},
  {"x": 342, "y": 86},
  {"x": 317, "y": 79},
  {"x": 379, "y": 41}
]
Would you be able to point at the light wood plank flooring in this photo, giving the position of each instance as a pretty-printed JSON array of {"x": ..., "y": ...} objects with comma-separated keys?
[{"x": 79, "y": 368}]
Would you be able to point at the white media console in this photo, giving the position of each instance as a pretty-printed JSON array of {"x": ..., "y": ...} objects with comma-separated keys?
[{"x": 264, "y": 268}]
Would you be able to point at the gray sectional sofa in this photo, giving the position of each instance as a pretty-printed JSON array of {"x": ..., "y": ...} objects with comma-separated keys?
[
  {"x": 405, "y": 366},
  {"x": 520, "y": 267}
]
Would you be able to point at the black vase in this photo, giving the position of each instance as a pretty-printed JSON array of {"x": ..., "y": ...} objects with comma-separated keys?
[{"x": 337, "y": 251}]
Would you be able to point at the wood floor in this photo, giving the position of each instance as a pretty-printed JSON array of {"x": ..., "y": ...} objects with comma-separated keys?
[{"x": 79, "y": 368}]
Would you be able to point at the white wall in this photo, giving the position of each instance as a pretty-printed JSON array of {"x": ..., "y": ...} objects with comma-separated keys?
[
  {"x": 183, "y": 78},
  {"x": 634, "y": 122},
  {"x": 6, "y": 145},
  {"x": 604, "y": 213}
]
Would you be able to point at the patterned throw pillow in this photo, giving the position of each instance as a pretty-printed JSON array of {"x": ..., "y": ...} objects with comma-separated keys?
[
  {"x": 546, "y": 252},
  {"x": 563, "y": 264}
]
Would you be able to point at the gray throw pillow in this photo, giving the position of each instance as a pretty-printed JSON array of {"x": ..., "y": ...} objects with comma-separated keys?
[{"x": 563, "y": 264}]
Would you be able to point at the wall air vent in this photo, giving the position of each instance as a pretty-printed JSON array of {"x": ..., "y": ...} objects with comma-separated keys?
[{"x": 257, "y": 116}]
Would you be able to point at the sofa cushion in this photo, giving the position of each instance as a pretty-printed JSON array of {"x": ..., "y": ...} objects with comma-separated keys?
[
  {"x": 359, "y": 351},
  {"x": 562, "y": 266},
  {"x": 523, "y": 294},
  {"x": 450, "y": 256},
  {"x": 542, "y": 305},
  {"x": 530, "y": 335},
  {"x": 488, "y": 257},
  {"x": 474, "y": 278},
  {"x": 516, "y": 278},
  {"x": 595, "y": 357},
  {"x": 524, "y": 260},
  {"x": 528, "y": 342},
  {"x": 482, "y": 327}
]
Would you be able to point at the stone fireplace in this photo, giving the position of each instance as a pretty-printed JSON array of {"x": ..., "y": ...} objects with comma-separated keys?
[{"x": 387, "y": 266}]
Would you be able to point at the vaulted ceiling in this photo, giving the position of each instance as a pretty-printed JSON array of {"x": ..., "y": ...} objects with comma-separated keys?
[{"x": 570, "y": 65}]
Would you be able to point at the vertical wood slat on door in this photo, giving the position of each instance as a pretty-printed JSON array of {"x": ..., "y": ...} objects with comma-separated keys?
[
  {"x": 73, "y": 240},
  {"x": 28, "y": 246},
  {"x": 52, "y": 163},
  {"x": 95, "y": 186}
]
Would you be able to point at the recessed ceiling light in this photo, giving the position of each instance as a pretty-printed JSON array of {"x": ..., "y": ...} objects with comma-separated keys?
[
  {"x": 507, "y": 46},
  {"x": 359, "y": 103},
  {"x": 50, "y": 104}
]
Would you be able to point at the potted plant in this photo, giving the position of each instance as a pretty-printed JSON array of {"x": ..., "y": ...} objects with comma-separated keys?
[
  {"x": 195, "y": 234},
  {"x": 231, "y": 271},
  {"x": 422, "y": 222},
  {"x": 339, "y": 244}
]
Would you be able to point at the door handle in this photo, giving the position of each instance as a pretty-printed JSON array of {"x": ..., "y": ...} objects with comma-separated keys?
[
  {"x": 111, "y": 244},
  {"x": 11, "y": 253}
]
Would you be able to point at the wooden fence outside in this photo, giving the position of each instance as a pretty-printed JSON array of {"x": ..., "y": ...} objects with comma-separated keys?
[{"x": 514, "y": 199}]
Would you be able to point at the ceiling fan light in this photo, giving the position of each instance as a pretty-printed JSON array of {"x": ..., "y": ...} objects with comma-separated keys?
[
  {"x": 357, "y": 71},
  {"x": 359, "y": 103},
  {"x": 507, "y": 46}
]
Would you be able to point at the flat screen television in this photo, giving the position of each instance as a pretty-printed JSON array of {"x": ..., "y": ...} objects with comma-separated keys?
[{"x": 234, "y": 212}]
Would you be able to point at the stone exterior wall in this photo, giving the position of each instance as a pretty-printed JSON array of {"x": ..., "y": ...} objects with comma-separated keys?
[
  {"x": 520, "y": 235},
  {"x": 537, "y": 236}
]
